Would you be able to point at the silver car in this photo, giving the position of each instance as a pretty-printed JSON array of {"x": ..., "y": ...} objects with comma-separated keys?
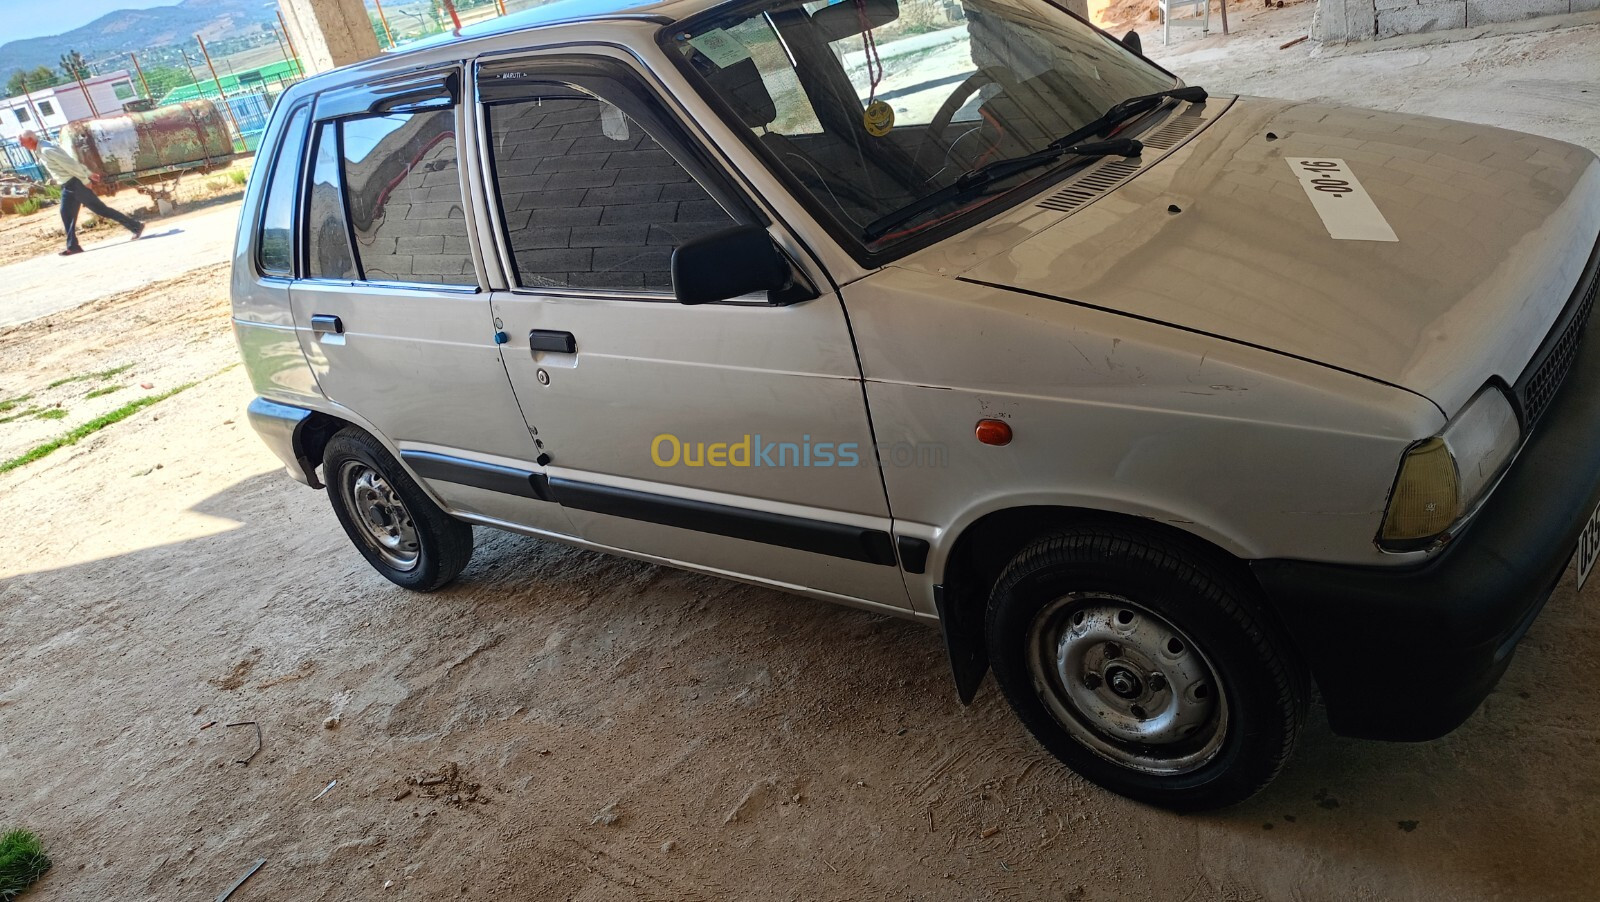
[{"x": 1169, "y": 408}]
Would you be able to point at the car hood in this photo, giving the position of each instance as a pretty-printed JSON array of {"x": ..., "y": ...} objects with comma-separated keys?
[{"x": 1493, "y": 228}]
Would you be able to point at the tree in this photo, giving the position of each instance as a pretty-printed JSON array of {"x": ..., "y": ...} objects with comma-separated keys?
[
  {"x": 44, "y": 77},
  {"x": 38, "y": 79},
  {"x": 74, "y": 65}
]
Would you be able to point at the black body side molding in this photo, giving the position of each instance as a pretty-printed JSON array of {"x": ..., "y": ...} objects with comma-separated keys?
[
  {"x": 913, "y": 554},
  {"x": 856, "y": 543},
  {"x": 479, "y": 475}
]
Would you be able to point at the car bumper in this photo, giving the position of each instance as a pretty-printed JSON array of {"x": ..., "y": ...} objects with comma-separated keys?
[
  {"x": 1408, "y": 653},
  {"x": 282, "y": 427}
]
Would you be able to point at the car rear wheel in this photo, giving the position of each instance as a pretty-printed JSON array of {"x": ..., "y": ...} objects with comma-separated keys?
[
  {"x": 391, "y": 521},
  {"x": 1145, "y": 666}
]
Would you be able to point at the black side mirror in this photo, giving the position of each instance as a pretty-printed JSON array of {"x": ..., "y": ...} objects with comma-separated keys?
[
  {"x": 1133, "y": 42},
  {"x": 732, "y": 263}
]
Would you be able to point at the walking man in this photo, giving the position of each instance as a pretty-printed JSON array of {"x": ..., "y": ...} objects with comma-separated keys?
[{"x": 70, "y": 175}]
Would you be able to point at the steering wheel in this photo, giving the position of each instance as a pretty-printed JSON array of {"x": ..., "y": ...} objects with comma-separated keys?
[{"x": 958, "y": 98}]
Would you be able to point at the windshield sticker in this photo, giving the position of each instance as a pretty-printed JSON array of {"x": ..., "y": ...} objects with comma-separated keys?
[
  {"x": 878, "y": 118},
  {"x": 1346, "y": 208},
  {"x": 724, "y": 49}
]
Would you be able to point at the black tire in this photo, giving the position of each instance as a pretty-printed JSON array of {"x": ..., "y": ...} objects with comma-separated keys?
[
  {"x": 426, "y": 548},
  {"x": 1069, "y": 590}
]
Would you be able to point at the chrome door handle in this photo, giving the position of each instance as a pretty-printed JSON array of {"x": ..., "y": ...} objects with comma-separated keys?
[
  {"x": 551, "y": 340},
  {"x": 323, "y": 323}
]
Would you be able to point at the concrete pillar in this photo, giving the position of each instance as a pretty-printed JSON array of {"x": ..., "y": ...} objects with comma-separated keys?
[{"x": 329, "y": 33}]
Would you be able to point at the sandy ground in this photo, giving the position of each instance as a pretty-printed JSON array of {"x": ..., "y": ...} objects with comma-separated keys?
[{"x": 567, "y": 725}]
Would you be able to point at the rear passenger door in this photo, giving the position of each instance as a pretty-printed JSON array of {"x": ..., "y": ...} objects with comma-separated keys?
[
  {"x": 730, "y": 436},
  {"x": 392, "y": 313}
]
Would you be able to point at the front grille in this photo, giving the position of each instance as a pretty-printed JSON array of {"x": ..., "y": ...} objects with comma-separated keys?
[{"x": 1543, "y": 378}]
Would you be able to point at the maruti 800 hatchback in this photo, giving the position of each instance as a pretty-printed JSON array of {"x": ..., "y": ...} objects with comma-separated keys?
[{"x": 1170, "y": 408}]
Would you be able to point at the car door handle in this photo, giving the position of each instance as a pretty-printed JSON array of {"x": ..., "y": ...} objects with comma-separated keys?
[
  {"x": 551, "y": 340},
  {"x": 322, "y": 323}
]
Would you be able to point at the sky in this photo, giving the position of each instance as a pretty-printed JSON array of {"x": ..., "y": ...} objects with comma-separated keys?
[{"x": 31, "y": 18}]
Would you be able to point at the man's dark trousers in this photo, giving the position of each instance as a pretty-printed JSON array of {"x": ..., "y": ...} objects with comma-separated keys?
[{"x": 75, "y": 194}]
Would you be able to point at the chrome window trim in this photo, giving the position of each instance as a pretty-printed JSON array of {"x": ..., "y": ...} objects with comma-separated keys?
[
  {"x": 403, "y": 286},
  {"x": 258, "y": 220}
]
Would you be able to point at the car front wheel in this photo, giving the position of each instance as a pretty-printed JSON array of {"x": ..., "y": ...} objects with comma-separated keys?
[{"x": 1144, "y": 666}]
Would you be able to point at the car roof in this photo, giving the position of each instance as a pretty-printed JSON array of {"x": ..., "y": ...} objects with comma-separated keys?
[
  {"x": 564, "y": 11},
  {"x": 561, "y": 12}
]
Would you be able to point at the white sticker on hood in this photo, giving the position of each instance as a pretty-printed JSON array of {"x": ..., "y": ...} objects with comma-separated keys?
[{"x": 1345, "y": 207}]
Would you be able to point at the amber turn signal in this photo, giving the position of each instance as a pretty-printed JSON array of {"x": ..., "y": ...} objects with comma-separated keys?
[{"x": 994, "y": 432}]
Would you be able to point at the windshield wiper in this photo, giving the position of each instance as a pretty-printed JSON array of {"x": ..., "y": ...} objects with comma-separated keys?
[
  {"x": 974, "y": 180},
  {"x": 1127, "y": 109}
]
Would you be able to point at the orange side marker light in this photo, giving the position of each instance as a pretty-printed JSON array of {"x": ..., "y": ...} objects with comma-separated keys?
[{"x": 994, "y": 432}]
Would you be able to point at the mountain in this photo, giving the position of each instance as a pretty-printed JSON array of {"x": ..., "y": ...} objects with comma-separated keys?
[{"x": 137, "y": 29}]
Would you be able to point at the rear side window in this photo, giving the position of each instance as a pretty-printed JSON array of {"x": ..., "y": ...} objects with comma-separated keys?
[
  {"x": 385, "y": 201},
  {"x": 403, "y": 190},
  {"x": 327, "y": 230},
  {"x": 588, "y": 198},
  {"x": 274, "y": 245}
]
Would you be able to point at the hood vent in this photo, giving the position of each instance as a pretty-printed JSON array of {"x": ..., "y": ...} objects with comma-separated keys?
[
  {"x": 1110, "y": 174},
  {"x": 1167, "y": 136}
]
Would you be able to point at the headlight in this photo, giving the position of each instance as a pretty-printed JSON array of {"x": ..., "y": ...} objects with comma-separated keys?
[{"x": 1442, "y": 478}]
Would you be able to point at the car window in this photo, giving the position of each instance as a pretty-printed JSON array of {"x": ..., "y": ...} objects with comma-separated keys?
[
  {"x": 588, "y": 198},
  {"x": 274, "y": 246},
  {"x": 795, "y": 115},
  {"x": 327, "y": 233},
  {"x": 909, "y": 94},
  {"x": 403, "y": 190}
]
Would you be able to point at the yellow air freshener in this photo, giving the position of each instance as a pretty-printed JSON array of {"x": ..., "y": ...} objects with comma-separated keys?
[{"x": 878, "y": 118}]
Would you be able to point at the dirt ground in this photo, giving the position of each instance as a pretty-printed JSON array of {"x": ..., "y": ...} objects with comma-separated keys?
[{"x": 567, "y": 725}]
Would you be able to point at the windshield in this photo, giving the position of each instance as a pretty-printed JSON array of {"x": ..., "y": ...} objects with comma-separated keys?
[{"x": 869, "y": 105}]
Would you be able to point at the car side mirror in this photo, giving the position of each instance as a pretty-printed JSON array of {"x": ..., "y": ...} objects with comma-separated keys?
[
  {"x": 1133, "y": 42},
  {"x": 732, "y": 263}
]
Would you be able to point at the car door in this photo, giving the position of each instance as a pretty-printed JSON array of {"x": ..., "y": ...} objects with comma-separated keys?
[
  {"x": 390, "y": 309},
  {"x": 730, "y": 436}
]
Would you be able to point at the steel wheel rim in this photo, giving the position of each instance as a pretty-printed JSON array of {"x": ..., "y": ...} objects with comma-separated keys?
[
  {"x": 381, "y": 519},
  {"x": 1127, "y": 684}
]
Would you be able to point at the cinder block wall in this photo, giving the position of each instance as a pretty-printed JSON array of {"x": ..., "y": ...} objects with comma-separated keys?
[{"x": 1361, "y": 20}]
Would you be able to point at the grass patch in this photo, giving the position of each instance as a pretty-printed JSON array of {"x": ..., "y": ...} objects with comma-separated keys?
[
  {"x": 17, "y": 416},
  {"x": 85, "y": 377},
  {"x": 12, "y": 403},
  {"x": 54, "y": 413},
  {"x": 28, "y": 207},
  {"x": 101, "y": 392},
  {"x": 238, "y": 176},
  {"x": 90, "y": 428},
  {"x": 22, "y": 862}
]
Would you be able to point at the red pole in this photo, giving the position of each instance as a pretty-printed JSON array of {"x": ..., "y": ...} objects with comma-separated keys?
[
  {"x": 27, "y": 94},
  {"x": 451, "y": 9},
  {"x": 222, "y": 96},
  {"x": 284, "y": 28},
  {"x": 93, "y": 111},
  {"x": 384, "y": 18},
  {"x": 140, "y": 69}
]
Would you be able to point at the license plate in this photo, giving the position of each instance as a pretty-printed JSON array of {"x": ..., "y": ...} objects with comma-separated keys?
[{"x": 1588, "y": 547}]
